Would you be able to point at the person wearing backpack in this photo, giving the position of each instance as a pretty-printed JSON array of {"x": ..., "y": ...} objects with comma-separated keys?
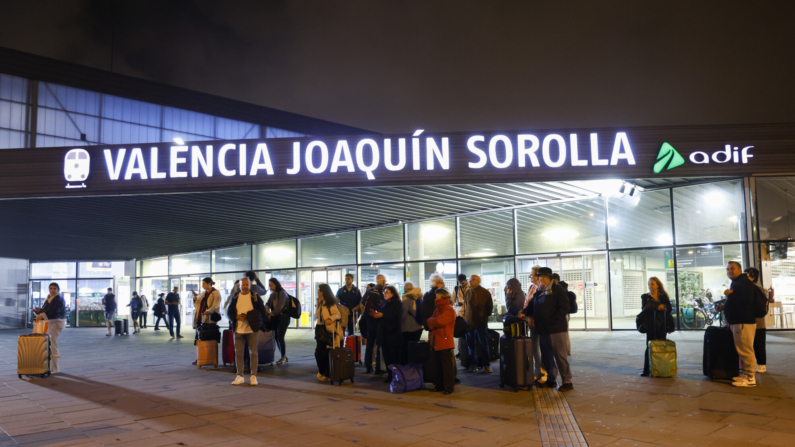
[
  {"x": 412, "y": 320},
  {"x": 159, "y": 311},
  {"x": 372, "y": 301},
  {"x": 442, "y": 342},
  {"x": 739, "y": 312},
  {"x": 248, "y": 315},
  {"x": 760, "y": 337},
  {"x": 278, "y": 301}
]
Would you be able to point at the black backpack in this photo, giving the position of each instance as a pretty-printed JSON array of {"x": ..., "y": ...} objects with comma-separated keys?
[
  {"x": 293, "y": 307},
  {"x": 572, "y": 302},
  {"x": 759, "y": 303}
]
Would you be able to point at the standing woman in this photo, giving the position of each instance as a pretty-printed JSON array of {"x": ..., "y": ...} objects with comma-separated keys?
[
  {"x": 412, "y": 330},
  {"x": 760, "y": 337},
  {"x": 656, "y": 300},
  {"x": 390, "y": 335},
  {"x": 135, "y": 309},
  {"x": 539, "y": 372},
  {"x": 277, "y": 309},
  {"x": 372, "y": 301},
  {"x": 329, "y": 316},
  {"x": 205, "y": 305},
  {"x": 144, "y": 311},
  {"x": 54, "y": 312}
]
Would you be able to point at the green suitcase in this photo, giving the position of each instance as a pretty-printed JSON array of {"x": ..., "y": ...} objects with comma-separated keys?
[{"x": 662, "y": 358}]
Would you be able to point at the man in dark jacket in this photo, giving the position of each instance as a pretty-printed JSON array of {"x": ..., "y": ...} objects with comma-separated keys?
[
  {"x": 350, "y": 297},
  {"x": 739, "y": 314},
  {"x": 372, "y": 301},
  {"x": 159, "y": 311},
  {"x": 549, "y": 308},
  {"x": 109, "y": 303},
  {"x": 435, "y": 282},
  {"x": 479, "y": 307},
  {"x": 248, "y": 315}
]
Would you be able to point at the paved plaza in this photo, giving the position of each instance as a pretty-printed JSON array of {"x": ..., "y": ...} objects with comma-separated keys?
[{"x": 142, "y": 391}]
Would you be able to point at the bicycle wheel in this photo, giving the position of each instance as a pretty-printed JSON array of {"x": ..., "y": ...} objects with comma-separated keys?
[{"x": 699, "y": 319}]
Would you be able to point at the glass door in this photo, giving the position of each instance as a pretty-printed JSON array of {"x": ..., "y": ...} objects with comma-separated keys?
[
  {"x": 187, "y": 284},
  {"x": 306, "y": 295}
]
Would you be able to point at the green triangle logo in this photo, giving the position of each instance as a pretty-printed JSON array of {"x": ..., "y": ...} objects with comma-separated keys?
[{"x": 667, "y": 159}]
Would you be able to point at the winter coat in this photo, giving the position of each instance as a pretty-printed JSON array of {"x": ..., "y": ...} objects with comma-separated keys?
[
  {"x": 442, "y": 323},
  {"x": 428, "y": 307},
  {"x": 514, "y": 301},
  {"x": 213, "y": 305},
  {"x": 549, "y": 307},
  {"x": 159, "y": 308},
  {"x": 55, "y": 309},
  {"x": 349, "y": 298},
  {"x": 135, "y": 303},
  {"x": 389, "y": 330},
  {"x": 410, "y": 310},
  {"x": 256, "y": 318},
  {"x": 479, "y": 308},
  {"x": 335, "y": 329},
  {"x": 655, "y": 322},
  {"x": 739, "y": 304},
  {"x": 278, "y": 302}
]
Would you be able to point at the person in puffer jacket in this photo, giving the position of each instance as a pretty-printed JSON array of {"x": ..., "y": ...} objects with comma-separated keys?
[
  {"x": 442, "y": 323},
  {"x": 412, "y": 330}
]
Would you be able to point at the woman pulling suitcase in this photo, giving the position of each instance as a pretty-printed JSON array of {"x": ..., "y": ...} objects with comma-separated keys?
[
  {"x": 54, "y": 311},
  {"x": 656, "y": 307},
  {"x": 328, "y": 333}
]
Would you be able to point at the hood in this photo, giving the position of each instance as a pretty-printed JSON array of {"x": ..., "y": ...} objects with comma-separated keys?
[
  {"x": 413, "y": 294},
  {"x": 441, "y": 303}
]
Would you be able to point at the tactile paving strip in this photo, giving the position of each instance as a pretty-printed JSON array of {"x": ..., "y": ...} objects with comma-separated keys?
[{"x": 555, "y": 421}]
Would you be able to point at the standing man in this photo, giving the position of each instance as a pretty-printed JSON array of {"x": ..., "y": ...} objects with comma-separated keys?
[
  {"x": 572, "y": 297},
  {"x": 109, "y": 303},
  {"x": 549, "y": 308},
  {"x": 372, "y": 302},
  {"x": 350, "y": 297},
  {"x": 739, "y": 314},
  {"x": 172, "y": 303},
  {"x": 479, "y": 307}
]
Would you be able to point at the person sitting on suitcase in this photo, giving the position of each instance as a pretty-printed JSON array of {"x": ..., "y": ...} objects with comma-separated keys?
[
  {"x": 328, "y": 316},
  {"x": 442, "y": 342},
  {"x": 656, "y": 300},
  {"x": 739, "y": 313},
  {"x": 248, "y": 315},
  {"x": 549, "y": 308}
]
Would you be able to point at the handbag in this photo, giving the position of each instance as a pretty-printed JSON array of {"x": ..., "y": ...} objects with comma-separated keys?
[
  {"x": 461, "y": 327},
  {"x": 640, "y": 323},
  {"x": 215, "y": 317},
  {"x": 322, "y": 335},
  {"x": 670, "y": 325}
]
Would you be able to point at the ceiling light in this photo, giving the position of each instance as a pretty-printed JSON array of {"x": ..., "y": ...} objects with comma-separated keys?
[
  {"x": 179, "y": 141},
  {"x": 665, "y": 239},
  {"x": 777, "y": 219},
  {"x": 560, "y": 233},
  {"x": 611, "y": 221},
  {"x": 690, "y": 252},
  {"x": 590, "y": 214},
  {"x": 482, "y": 254},
  {"x": 434, "y": 231}
]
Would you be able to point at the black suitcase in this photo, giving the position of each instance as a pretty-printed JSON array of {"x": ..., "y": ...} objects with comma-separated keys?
[
  {"x": 516, "y": 362},
  {"x": 118, "y": 326},
  {"x": 341, "y": 365},
  {"x": 463, "y": 352},
  {"x": 493, "y": 338},
  {"x": 418, "y": 352},
  {"x": 721, "y": 361},
  {"x": 126, "y": 324}
]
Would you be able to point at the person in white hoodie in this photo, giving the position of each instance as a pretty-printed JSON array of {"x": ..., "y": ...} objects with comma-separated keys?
[{"x": 412, "y": 329}]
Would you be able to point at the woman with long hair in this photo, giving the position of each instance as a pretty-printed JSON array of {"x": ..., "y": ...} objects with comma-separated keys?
[
  {"x": 656, "y": 304},
  {"x": 329, "y": 316},
  {"x": 412, "y": 330},
  {"x": 277, "y": 309},
  {"x": 54, "y": 312},
  {"x": 390, "y": 334}
]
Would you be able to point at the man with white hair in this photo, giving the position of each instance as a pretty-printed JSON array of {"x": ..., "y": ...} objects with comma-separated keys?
[
  {"x": 435, "y": 282},
  {"x": 479, "y": 307}
]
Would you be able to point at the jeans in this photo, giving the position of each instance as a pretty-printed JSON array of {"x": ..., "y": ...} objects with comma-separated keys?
[
  {"x": 165, "y": 322},
  {"x": 404, "y": 351},
  {"x": 760, "y": 350},
  {"x": 240, "y": 345},
  {"x": 171, "y": 318},
  {"x": 478, "y": 346},
  {"x": 142, "y": 319},
  {"x": 321, "y": 358},
  {"x": 280, "y": 324},
  {"x": 372, "y": 332}
]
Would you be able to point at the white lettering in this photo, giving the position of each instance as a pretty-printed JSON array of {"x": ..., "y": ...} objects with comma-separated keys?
[
  {"x": 703, "y": 160},
  {"x": 176, "y": 160},
  {"x": 197, "y": 158},
  {"x": 561, "y": 150},
  {"x": 310, "y": 165},
  {"x": 401, "y": 154},
  {"x": 477, "y": 151},
  {"x": 493, "y": 151},
  {"x": 746, "y": 155},
  {"x": 415, "y": 152},
  {"x": 432, "y": 151},
  {"x": 296, "y": 159},
  {"x": 262, "y": 154},
  {"x": 135, "y": 165},
  {"x": 222, "y": 160},
  {"x": 114, "y": 169},
  {"x": 242, "y": 159},
  {"x": 575, "y": 156},
  {"x": 595, "y": 160},
  {"x": 153, "y": 164},
  {"x": 727, "y": 155},
  {"x": 360, "y": 157},
  {"x": 525, "y": 151},
  {"x": 342, "y": 157},
  {"x": 622, "y": 141}
]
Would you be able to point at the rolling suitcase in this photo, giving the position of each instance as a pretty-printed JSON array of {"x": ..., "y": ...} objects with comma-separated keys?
[
  {"x": 207, "y": 353},
  {"x": 340, "y": 364},
  {"x": 354, "y": 343},
  {"x": 516, "y": 361},
  {"x": 265, "y": 347},
  {"x": 493, "y": 338},
  {"x": 33, "y": 355},
  {"x": 662, "y": 355},
  {"x": 721, "y": 361},
  {"x": 118, "y": 327},
  {"x": 418, "y": 352},
  {"x": 126, "y": 324},
  {"x": 228, "y": 347}
]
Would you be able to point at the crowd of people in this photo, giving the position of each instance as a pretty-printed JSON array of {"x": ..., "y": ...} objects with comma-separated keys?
[{"x": 389, "y": 322}]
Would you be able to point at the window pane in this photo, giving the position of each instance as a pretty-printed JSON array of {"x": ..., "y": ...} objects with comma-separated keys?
[
  {"x": 629, "y": 274},
  {"x": 419, "y": 272},
  {"x": 190, "y": 263},
  {"x": 571, "y": 226},
  {"x": 701, "y": 272},
  {"x": 232, "y": 259},
  {"x": 89, "y": 301},
  {"x": 488, "y": 234},
  {"x": 331, "y": 249},
  {"x": 381, "y": 245},
  {"x": 392, "y": 272},
  {"x": 494, "y": 274},
  {"x": 643, "y": 220},
  {"x": 712, "y": 212},
  {"x": 432, "y": 239},
  {"x": 13, "y": 291},
  {"x": 775, "y": 200},
  {"x": 40, "y": 290},
  {"x": 275, "y": 255},
  {"x": 100, "y": 269},
  {"x": 49, "y": 270},
  {"x": 154, "y": 267},
  {"x": 778, "y": 272}
]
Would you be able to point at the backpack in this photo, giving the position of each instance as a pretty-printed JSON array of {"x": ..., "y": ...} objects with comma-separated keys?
[
  {"x": 759, "y": 303},
  {"x": 345, "y": 314},
  {"x": 293, "y": 307},
  {"x": 572, "y": 302}
]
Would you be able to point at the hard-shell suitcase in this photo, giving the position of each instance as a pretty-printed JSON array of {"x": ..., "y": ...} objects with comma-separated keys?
[
  {"x": 207, "y": 353},
  {"x": 493, "y": 338},
  {"x": 721, "y": 361},
  {"x": 662, "y": 358},
  {"x": 516, "y": 362},
  {"x": 265, "y": 346},
  {"x": 340, "y": 364},
  {"x": 354, "y": 343},
  {"x": 33, "y": 355},
  {"x": 228, "y": 347},
  {"x": 118, "y": 326},
  {"x": 126, "y": 324}
]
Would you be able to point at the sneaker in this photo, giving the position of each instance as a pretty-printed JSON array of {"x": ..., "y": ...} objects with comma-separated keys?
[
  {"x": 239, "y": 381},
  {"x": 254, "y": 381},
  {"x": 172, "y": 337},
  {"x": 745, "y": 382},
  {"x": 108, "y": 334},
  {"x": 472, "y": 368},
  {"x": 761, "y": 369},
  {"x": 487, "y": 370},
  {"x": 566, "y": 387},
  {"x": 542, "y": 380},
  {"x": 179, "y": 336},
  {"x": 737, "y": 379},
  {"x": 447, "y": 393},
  {"x": 157, "y": 328},
  {"x": 320, "y": 377},
  {"x": 324, "y": 379}
]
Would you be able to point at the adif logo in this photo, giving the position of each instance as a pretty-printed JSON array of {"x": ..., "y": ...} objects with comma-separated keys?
[
  {"x": 727, "y": 155},
  {"x": 668, "y": 158},
  {"x": 76, "y": 165}
]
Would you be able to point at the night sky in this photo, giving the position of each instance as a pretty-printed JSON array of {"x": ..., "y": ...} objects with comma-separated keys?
[{"x": 395, "y": 66}]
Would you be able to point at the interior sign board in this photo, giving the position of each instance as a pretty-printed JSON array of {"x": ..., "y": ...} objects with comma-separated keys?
[
  {"x": 695, "y": 257},
  {"x": 411, "y": 159}
]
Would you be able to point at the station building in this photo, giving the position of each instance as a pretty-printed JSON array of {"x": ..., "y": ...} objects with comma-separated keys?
[{"x": 112, "y": 181}]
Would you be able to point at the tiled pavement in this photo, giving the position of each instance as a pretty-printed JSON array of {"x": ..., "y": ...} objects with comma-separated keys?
[{"x": 141, "y": 391}]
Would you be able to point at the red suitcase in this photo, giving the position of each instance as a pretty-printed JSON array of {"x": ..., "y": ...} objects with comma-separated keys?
[
  {"x": 354, "y": 343},
  {"x": 228, "y": 348}
]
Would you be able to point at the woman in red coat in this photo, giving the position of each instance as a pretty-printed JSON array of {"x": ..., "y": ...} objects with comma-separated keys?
[{"x": 442, "y": 342}]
